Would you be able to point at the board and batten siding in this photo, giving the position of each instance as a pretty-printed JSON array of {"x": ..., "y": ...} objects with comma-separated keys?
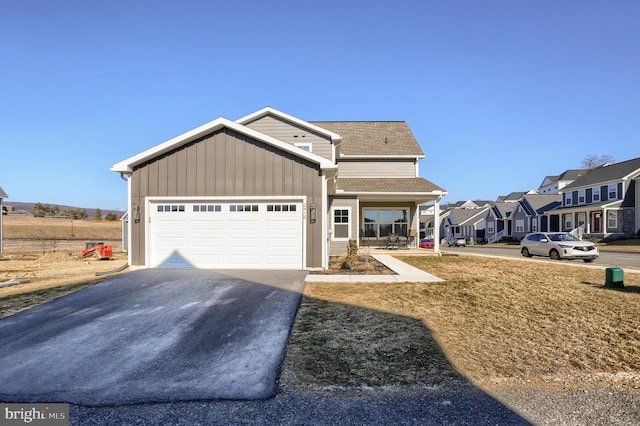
[
  {"x": 293, "y": 134},
  {"x": 227, "y": 164},
  {"x": 382, "y": 169}
]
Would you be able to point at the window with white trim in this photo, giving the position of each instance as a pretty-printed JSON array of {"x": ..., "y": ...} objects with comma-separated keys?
[
  {"x": 613, "y": 191},
  {"x": 567, "y": 199},
  {"x": 305, "y": 146},
  {"x": 341, "y": 223},
  {"x": 520, "y": 225},
  {"x": 568, "y": 221},
  {"x": 490, "y": 227},
  {"x": 385, "y": 221},
  {"x": 581, "y": 196},
  {"x": 534, "y": 225},
  {"x": 612, "y": 220},
  {"x": 596, "y": 194}
]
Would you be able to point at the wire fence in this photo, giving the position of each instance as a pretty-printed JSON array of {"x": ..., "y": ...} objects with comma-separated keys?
[{"x": 10, "y": 245}]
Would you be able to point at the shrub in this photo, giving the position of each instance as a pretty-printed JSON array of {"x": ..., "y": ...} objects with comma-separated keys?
[{"x": 351, "y": 260}]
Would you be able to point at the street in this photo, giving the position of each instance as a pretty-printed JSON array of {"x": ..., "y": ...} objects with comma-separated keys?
[{"x": 621, "y": 259}]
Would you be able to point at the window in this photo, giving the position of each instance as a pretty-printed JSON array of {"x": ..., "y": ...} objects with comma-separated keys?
[
  {"x": 171, "y": 208},
  {"x": 243, "y": 208},
  {"x": 281, "y": 207},
  {"x": 581, "y": 196},
  {"x": 490, "y": 227},
  {"x": 341, "y": 224},
  {"x": 534, "y": 225},
  {"x": 596, "y": 194},
  {"x": 203, "y": 208},
  {"x": 568, "y": 200},
  {"x": 613, "y": 191},
  {"x": 382, "y": 222},
  {"x": 612, "y": 220},
  {"x": 520, "y": 225},
  {"x": 568, "y": 221},
  {"x": 305, "y": 146}
]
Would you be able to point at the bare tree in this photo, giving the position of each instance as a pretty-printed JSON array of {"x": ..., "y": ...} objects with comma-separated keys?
[{"x": 591, "y": 161}]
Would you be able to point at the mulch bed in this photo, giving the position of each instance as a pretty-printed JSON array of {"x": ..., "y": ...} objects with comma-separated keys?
[{"x": 366, "y": 265}]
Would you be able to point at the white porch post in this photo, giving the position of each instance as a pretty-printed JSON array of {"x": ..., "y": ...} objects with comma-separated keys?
[{"x": 436, "y": 225}]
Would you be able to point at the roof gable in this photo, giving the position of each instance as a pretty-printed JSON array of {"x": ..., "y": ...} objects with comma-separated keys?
[
  {"x": 3, "y": 194},
  {"x": 127, "y": 165},
  {"x": 286, "y": 117}
]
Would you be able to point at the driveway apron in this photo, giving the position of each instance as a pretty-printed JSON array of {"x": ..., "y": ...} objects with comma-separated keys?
[{"x": 153, "y": 336}]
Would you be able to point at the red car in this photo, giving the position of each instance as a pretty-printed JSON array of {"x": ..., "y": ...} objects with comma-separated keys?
[{"x": 426, "y": 243}]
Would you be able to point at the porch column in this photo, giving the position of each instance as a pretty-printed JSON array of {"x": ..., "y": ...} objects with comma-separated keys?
[{"x": 436, "y": 225}]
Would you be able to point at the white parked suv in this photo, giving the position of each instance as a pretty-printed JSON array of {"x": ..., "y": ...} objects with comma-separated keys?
[{"x": 558, "y": 245}]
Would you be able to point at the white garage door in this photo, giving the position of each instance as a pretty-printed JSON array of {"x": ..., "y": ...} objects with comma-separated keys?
[{"x": 264, "y": 234}]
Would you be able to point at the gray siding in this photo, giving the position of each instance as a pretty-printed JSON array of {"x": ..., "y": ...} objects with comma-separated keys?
[
  {"x": 292, "y": 133},
  {"x": 338, "y": 248},
  {"x": 226, "y": 163},
  {"x": 369, "y": 168}
]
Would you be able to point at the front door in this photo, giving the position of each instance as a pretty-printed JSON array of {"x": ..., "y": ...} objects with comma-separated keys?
[{"x": 596, "y": 223}]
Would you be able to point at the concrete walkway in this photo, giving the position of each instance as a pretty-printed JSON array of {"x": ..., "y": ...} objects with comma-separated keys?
[{"x": 404, "y": 274}]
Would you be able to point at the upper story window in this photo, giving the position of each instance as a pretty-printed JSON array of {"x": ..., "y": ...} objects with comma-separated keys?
[
  {"x": 596, "y": 194},
  {"x": 581, "y": 196},
  {"x": 568, "y": 200},
  {"x": 613, "y": 191},
  {"x": 305, "y": 146}
]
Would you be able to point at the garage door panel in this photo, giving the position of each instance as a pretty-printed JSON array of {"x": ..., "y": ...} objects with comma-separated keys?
[{"x": 199, "y": 235}]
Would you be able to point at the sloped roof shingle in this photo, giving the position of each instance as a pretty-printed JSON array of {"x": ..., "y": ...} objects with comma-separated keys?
[
  {"x": 605, "y": 174},
  {"x": 372, "y": 138},
  {"x": 419, "y": 185}
]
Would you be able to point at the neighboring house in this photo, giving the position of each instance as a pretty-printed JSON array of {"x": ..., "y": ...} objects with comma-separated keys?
[
  {"x": 499, "y": 221},
  {"x": 514, "y": 197},
  {"x": 554, "y": 184},
  {"x": 3, "y": 195},
  {"x": 603, "y": 202},
  {"x": 530, "y": 215},
  {"x": 467, "y": 223},
  {"x": 272, "y": 191}
]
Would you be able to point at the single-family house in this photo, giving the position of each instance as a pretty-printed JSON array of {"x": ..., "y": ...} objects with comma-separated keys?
[
  {"x": 554, "y": 184},
  {"x": 467, "y": 223},
  {"x": 498, "y": 221},
  {"x": 270, "y": 190},
  {"x": 530, "y": 215},
  {"x": 3, "y": 195},
  {"x": 603, "y": 202}
]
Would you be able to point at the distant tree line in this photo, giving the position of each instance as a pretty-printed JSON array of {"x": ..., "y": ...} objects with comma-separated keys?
[{"x": 47, "y": 210}]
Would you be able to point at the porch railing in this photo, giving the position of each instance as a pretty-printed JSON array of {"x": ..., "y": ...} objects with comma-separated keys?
[{"x": 496, "y": 237}]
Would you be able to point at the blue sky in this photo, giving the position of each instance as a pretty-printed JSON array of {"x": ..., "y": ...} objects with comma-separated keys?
[{"x": 499, "y": 93}]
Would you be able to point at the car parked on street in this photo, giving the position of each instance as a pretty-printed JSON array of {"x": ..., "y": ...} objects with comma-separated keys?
[
  {"x": 426, "y": 243},
  {"x": 558, "y": 245},
  {"x": 457, "y": 241}
]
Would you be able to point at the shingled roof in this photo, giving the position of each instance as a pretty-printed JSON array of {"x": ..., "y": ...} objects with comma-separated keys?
[
  {"x": 374, "y": 138},
  {"x": 604, "y": 174},
  {"x": 378, "y": 185}
]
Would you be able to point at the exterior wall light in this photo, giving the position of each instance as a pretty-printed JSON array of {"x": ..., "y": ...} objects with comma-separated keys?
[
  {"x": 136, "y": 213},
  {"x": 313, "y": 213}
]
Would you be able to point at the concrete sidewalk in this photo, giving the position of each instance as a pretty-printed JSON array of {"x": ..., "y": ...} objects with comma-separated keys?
[{"x": 404, "y": 274}]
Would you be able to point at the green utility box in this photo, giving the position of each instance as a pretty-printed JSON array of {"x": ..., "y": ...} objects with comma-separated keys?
[{"x": 614, "y": 277}]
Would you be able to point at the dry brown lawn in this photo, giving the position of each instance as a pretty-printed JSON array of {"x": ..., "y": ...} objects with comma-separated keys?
[{"x": 493, "y": 321}]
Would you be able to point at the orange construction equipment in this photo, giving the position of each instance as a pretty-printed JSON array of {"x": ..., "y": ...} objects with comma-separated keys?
[{"x": 98, "y": 250}]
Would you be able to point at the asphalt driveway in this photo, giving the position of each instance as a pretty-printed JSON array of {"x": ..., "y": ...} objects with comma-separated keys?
[{"x": 153, "y": 336}]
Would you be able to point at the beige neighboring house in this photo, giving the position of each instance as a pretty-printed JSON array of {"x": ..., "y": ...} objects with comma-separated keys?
[
  {"x": 3, "y": 195},
  {"x": 272, "y": 191}
]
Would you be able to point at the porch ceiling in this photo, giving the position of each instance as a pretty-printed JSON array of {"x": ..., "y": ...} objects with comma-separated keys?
[{"x": 588, "y": 207}]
